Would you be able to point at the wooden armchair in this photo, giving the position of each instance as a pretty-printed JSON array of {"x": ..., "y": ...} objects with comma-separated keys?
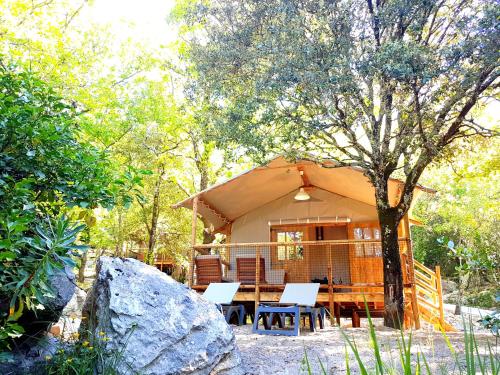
[
  {"x": 245, "y": 270},
  {"x": 208, "y": 269}
]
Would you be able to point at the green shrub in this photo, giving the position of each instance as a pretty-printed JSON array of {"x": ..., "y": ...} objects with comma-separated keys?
[
  {"x": 46, "y": 171},
  {"x": 84, "y": 357},
  {"x": 485, "y": 298}
]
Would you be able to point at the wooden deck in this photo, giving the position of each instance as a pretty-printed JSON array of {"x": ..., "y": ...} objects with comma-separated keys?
[{"x": 346, "y": 301}]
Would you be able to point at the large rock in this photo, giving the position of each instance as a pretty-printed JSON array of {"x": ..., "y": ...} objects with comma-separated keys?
[
  {"x": 28, "y": 355},
  {"x": 160, "y": 325},
  {"x": 36, "y": 324}
]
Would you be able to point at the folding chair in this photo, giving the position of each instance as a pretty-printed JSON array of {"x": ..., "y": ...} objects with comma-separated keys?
[
  {"x": 222, "y": 294},
  {"x": 296, "y": 301}
]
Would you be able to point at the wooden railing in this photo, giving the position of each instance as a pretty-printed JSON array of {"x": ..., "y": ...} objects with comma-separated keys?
[
  {"x": 430, "y": 295},
  {"x": 311, "y": 261}
]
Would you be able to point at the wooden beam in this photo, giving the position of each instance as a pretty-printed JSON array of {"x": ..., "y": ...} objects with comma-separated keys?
[
  {"x": 411, "y": 273},
  {"x": 257, "y": 279},
  {"x": 193, "y": 241},
  {"x": 330, "y": 286},
  {"x": 440, "y": 297},
  {"x": 299, "y": 243},
  {"x": 303, "y": 176}
]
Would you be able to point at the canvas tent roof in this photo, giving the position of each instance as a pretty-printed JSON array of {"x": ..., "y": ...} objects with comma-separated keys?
[{"x": 225, "y": 202}]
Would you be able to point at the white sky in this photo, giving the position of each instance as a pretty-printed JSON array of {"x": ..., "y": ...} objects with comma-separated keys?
[{"x": 143, "y": 20}]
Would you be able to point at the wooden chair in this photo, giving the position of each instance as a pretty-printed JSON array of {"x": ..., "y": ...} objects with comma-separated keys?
[
  {"x": 245, "y": 270},
  {"x": 208, "y": 269}
]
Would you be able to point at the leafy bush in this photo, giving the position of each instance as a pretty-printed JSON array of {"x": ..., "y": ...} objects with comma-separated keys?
[
  {"x": 484, "y": 298},
  {"x": 46, "y": 170},
  {"x": 84, "y": 357},
  {"x": 27, "y": 262}
]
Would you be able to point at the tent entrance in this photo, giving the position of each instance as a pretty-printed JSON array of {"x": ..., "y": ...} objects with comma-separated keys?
[{"x": 303, "y": 263}]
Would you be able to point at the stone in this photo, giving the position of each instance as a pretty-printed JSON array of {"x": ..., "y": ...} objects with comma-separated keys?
[
  {"x": 159, "y": 325},
  {"x": 63, "y": 286},
  {"x": 30, "y": 349},
  {"x": 30, "y": 359},
  {"x": 449, "y": 286},
  {"x": 71, "y": 317}
]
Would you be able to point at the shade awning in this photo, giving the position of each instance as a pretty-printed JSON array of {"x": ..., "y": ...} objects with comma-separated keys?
[{"x": 223, "y": 203}]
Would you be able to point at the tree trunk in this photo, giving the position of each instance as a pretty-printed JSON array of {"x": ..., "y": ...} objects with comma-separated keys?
[
  {"x": 393, "y": 275},
  {"x": 119, "y": 238},
  {"x": 155, "y": 213},
  {"x": 83, "y": 264},
  {"x": 389, "y": 218},
  {"x": 208, "y": 235}
]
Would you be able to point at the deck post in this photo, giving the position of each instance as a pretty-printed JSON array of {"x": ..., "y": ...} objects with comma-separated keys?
[
  {"x": 330, "y": 286},
  {"x": 193, "y": 242},
  {"x": 440, "y": 297},
  {"x": 411, "y": 274},
  {"x": 257, "y": 278}
]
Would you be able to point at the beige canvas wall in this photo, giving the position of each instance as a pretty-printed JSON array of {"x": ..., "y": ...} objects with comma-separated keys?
[{"x": 254, "y": 226}]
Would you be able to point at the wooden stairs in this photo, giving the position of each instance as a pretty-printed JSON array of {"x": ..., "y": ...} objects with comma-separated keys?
[{"x": 430, "y": 296}]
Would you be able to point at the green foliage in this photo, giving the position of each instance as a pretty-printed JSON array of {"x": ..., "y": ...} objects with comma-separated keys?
[
  {"x": 289, "y": 76},
  {"x": 44, "y": 165},
  {"x": 482, "y": 298},
  {"x": 460, "y": 230},
  {"x": 45, "y": 171},
  {"x": 477, "y": 360},
  {"x": 492, "y": 322},
  {"x": 29, "y": 256},
  {"x": 84, "y": 357}
]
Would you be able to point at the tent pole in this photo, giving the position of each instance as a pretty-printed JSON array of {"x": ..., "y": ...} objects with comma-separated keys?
[{"x": 193, "y": 241}]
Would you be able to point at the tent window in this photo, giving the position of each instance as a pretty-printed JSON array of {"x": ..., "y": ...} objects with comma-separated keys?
[
  {"x": 371, "y": 249},
  {"x": 290, "y": 252}
]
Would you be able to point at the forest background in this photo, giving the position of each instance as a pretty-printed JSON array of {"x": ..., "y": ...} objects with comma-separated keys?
[{"x": 160, "y": 144}]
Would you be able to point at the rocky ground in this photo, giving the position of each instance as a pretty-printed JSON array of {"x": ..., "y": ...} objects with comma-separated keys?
[{"x": 264, "y": 354}]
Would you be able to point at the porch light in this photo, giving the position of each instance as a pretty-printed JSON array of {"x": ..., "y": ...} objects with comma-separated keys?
[{"x": 302, "y": 195}]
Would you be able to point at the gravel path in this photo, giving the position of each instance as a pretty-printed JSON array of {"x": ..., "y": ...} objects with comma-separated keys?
[{"x": 265, "y": 354}]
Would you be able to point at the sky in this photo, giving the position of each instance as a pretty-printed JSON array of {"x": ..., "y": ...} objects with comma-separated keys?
[{"x": 143, "y": 20}]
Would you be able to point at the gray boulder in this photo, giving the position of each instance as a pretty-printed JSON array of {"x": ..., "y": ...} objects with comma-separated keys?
[
  {"x": 159, "y": 325},
  {"x": 28, "y": 356},
  {"x": 36, "y": 324}
]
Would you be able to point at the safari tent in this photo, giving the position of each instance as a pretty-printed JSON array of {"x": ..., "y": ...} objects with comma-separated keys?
[{"x": 302, "y": 221}]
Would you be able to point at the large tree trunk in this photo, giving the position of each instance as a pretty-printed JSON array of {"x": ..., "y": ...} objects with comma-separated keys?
[
  {"x": 155, "y": 213},
  {"x": 393, "y": 275},
  {"x": 389, "y": 218},
  {"x": 208, "y": 235}
]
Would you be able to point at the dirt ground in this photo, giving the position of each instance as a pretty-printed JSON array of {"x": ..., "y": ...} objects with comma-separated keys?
[{"x": 284, "y": 355}]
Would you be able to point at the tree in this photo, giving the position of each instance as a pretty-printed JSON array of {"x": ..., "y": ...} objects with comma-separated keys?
[
  {"x": 46, "y": 171},
  {"x": 465, "y": 213},
  {"x": 386, "y": 86},
  {"x": 154, "y": 143},
  {"x": 110, "y": 82},
  {"x": 201, "y": 152}
]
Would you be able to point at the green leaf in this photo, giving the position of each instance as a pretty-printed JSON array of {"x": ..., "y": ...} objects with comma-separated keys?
[{"x": 7, "y": 255}]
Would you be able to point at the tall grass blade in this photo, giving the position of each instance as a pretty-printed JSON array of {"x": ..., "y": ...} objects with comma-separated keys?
[
  {"x": 308, "y": 365},
  {"x": 347, "y": 366},
  {"x": 494, "y": 361},
  {"x": 427, "y": 367},
  {"x": 323, "y": 369},
  {"x": 373, "y": 337},
  {"x": 354, "y": 348}
]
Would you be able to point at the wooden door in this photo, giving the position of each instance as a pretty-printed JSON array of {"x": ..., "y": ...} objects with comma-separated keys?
[
  {"x": 294, "y": 259},
  {"x": 365, "y": 259}
]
